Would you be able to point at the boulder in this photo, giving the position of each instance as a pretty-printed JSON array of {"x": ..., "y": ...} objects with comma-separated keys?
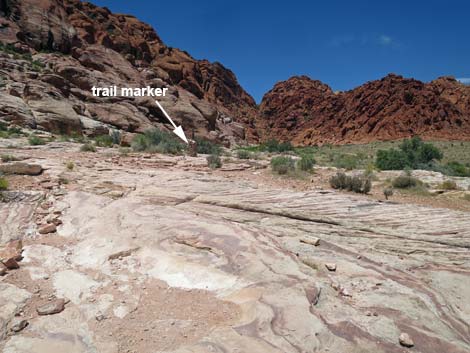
[
  {"x": 405, "y": 340},
  {"x": 16, "y": 111},
  {"x": 51, "y": 308},
  {"x": 20, "y": 168}
]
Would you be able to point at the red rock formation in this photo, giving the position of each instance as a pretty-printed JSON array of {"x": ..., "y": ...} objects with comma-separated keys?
[
  {"x": 308, "y": 112},
  {"x": 102, "y": 48}
]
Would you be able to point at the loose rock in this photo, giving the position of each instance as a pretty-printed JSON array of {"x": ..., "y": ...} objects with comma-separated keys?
[
  {"x": 54, "y": 307},
  {"x": 47, "y": 228},
  {"x": 310, "y": 240},
  {"x": 405, "y": 340},
  {"x": 331, "y": 266},
  {"x": 18, "y": 325},
  {"x": 20, "y": 168}
]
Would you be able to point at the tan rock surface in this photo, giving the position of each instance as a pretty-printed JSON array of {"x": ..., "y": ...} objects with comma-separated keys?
[{"x": 217, "y": 264}]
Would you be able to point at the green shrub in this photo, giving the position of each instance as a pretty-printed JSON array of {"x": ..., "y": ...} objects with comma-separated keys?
[
  {"x": 412, "y": 153},
  {"x": 8, "y": 158},
  {"x": 3, "y": 183},
  {"x": 388, "y": 192},
  {"x": 456, "y": 169},
  {"x": 276, "y": 146},
  {"x": 70, "y": 165},
  {"x": 448, "y": 185},
  {"x": 104, "y": 141},
  {"x": 306, "y": 163},
  {"x": 346, "y": 161},
  {"x": 36, "y": 141},
  {"x": 282, "y": 164},
  {"x": 405, "y": 181},
  {"x": 207, "y": 147},
  {"x": 466, "y": 197},
  {"x": 391, "y": 159},
  {"x": 359, "y": 184},
  {"x": 88, "y": 147},
  {"x": 339, "y": 181},
  {"x": 243, "y": 154},
  {"x": 214, "y": 161},
  {"x": 157, "y": 141}
]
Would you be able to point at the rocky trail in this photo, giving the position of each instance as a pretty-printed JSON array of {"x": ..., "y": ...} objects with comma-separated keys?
[{"x": 151, "y": 253}]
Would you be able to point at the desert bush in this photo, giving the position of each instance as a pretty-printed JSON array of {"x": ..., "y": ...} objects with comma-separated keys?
[
  {"x": 339, "y": 181},
  {"x": 358, "y": 183},
  {"x": 388, "y": 192},
  {"x": 405, "y": 181},
  {"x": 412, "y": 153},
  {"x": 456, "y": 169},
  {"x": 306, "y": 163},
  {"x": 282, "y": 164},
  {"x": 243, "y": 154},
  {"x": 157, "y": 141},
  {"x": 116, "y": 137},
  {"x": 104, "y": 141},
  {"x": 8, "y": 158},
  {"x": 3, "y": 183},
  {"x": 466, "y": 197},
  {"x": 36, "y": 141},
  {"x": 63, "y": 180},
  {"x": 276, "y": 146},
  {"x": 70, "y": 165},
  {"x": 88, "y": 147},
  {"x": 448, "y": 185},
  {"x": 346, "y": 161},
  {"x": 391, "y": 159},
  {"x": 207, "y": 147},
  {"x": 214, "y": 161}
]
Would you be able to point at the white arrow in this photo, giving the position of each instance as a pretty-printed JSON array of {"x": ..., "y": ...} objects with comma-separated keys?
[{"x": 178, "y": 130}]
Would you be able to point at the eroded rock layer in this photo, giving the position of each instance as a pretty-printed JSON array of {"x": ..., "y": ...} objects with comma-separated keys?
[
  {"x": 59, "y": 49},
  {"x": 202, "y": 263},
  {"x": 309, "y": 112}
]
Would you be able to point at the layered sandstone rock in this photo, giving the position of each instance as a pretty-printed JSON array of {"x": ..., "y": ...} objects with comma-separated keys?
[
  {"x": 309, "y": 112},
  {"x": 65, "y": 47}
]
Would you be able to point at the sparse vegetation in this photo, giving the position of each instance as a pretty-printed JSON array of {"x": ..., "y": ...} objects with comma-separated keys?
[
  {"x": 276, "y": 146},
  {"x": 214, "y": 161},
  {"x": 8, "y": 158},
  {"x": 157, "y": 141},
  {"x": 364, "y": 155},
  {"x": 282, "y": 164},
  {"x": 36, "y": 141},
  {"x": 6, "y": 132},
  {"x": 358, "y": 183},
  {"x": 104, "y": 141},
  {"x": 70, "y": 165},
  {"x": 3, "y": 183},
  {"x": 346, "y": 161},
  {"x": 448, "y": 185},
  {"x": 388, "y": 192},
  {"x": 243, "y": 154},
  {"x": 406, "y": 181},
  {"x": 207, "y": 147},
  {"x": 466, "y": 197},
  {"x": 19, "y": 55},
  {"x": 306, "y": 163},
  {"x": 455, "y": 169},
  {"x": 88, "y": 147},
  {"x": 63, "y": 180}
]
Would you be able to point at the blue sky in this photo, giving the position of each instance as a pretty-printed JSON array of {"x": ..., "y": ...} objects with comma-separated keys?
[{"x": 342, "y": 43}]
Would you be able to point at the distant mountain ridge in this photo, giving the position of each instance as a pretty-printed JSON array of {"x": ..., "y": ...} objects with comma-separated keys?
[{"x": 306, "y": 111}]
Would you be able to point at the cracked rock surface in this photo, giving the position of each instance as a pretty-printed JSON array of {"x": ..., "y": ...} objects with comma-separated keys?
[{"x": 158, "y": 254}]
